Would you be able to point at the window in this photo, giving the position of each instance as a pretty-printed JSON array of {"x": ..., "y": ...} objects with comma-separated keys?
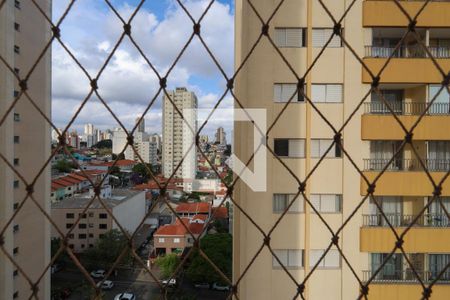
[
  {"x": 326, "y": 203},
  {"x": 91, "y": 246},
  {"x": 71, "y": 236},
  {"x": 16, "y": 295},
  {"x": 161, "y": 240},
  {"x": 176, "y": 240},
  {"x": 281, "y": 201},
  {"x": 16, "y": 94},
  {"x": 70, "y": 216},
  {"x": 15, "y": 206},
  {"x": 103, "y": 216},
  {"x": 83, "y": 216},
  {"x": 102, "y": 226},
  {"x": 292, "y": 258},
  {"x": 331, "y": 260},
  {"x": 319, "y": 147},
  {"x": 16, "y": 184},
  {"x": 290, "y": 37},
  {"x": 283, "y": 92},
  {"x": 91, "y": 215},
  {"x": 15, "y": 228},
  {"x": 91, "y": 235},
  {"x": 17, "y": 4},
  {"x": 71, "y": 246},
  {"x": 91, "y": 225},
  {"x": 16, "y": 161},
  {"x": 320, "y": 37},
  {"x": 82, "y": 226},
  {"x": 82, "y": 246},
  {"x": 69, "y": 225},
  {"x": 289, "y": 147},
  {"x": 16, "y": 49},
  {"x": 441, "y": 101},
  {"x": 16, "y": 250},
  {"x": 15, "y": 273},
  {"x": 17, "y": 71},
  {"x": 328, "y": 93},
  {"x": 16, "y": 139},
  {"x": 82, "y": 236},
  {"x": 17, "y": 26}
]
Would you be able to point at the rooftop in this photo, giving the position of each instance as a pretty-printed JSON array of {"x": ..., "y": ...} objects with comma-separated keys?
[
  {"x": 80, "y": 201},
  {"x": 197, "y": 207}
]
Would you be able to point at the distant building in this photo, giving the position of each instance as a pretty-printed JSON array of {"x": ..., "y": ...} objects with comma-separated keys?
[
  {"x": 221, "y": 136},
  {"x": 96, "y": 221},
  {"x": 140, "y": 125},
  {"x": 156, "y": 138},
  {"x": 88, "y": 129},
  {"x": 177, "y": 138},
  {"x": 119, "y": 140},
  {"x": 143, "y": 148}
]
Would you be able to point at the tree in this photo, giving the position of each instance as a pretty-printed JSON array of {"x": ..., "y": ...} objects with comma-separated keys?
[
  {"x": 143, "y": 171},
  {"x": 218, "y": 248},
  {"x": 114, "y": 170},
  {"x": 168, "y": 264},
  {"x": 107, "y": 250},
  {"x": 229, "y": 178},
  {"x": 54, "y": 247},
  {"x": 65, "y": 166},
  {"x": 103, "y": 144}
]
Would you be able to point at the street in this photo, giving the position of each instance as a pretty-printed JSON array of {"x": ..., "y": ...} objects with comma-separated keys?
[{"x": 135, "y": 281}]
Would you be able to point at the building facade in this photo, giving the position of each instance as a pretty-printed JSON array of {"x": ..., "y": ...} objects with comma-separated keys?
[
  {"x": 96, "y": 221},
  {"x": 336, "y": 85},
  {"x": 119, "y": 140},
  {"x": 23, "y": 35},
  {"x": 177, "y": 137},
  {"x": 145, "y": 149}
]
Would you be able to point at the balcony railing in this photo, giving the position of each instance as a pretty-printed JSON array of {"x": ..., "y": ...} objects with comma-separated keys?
[
  {"x": 415, "y": 51},
  {"x": 406, "y": 108},
  {"x": 399, "y": 220},
  {"x": 398, "y": 164},
  {"x": 406, "y": 276}
]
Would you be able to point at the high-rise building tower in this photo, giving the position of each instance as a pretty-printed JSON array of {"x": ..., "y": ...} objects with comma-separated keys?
[
  {"x": 141, "y": 125},
  {"x": 88, "y": 129},
  {"x": 25, "y": 143},
  {"x": 221, "y": 136},
  {"x": 177, "y": 138},
  {"x": 336, "y": 84}
]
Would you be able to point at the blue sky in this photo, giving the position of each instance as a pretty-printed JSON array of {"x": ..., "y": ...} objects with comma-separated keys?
[{"x": 127, "y": 84}]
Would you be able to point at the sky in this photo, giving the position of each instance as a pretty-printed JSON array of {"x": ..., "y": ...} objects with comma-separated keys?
[{"x": 161, "y": 28}]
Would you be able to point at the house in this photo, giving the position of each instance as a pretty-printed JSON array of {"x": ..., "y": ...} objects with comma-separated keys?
[
  {"x": 174, "y": 238},
  {"x": 189, "y": 210},
  {"x": 125, "y": 165}
]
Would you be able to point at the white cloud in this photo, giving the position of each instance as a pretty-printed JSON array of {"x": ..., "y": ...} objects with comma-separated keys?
[{"x": 127, "y": 84}]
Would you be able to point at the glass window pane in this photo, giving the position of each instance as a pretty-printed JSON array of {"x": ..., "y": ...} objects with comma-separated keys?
[
  {"x": 332, "y": 259},
  {"x": 282, "y": 256},
  {"x": 334, "y": 93},
  {"x": 318, "y": 92},
  {"x": 314, "y": 257},
  {"x": 295, "y": 258},
  {"x": 296, "y": 148},
  {"x": 280, "y": 37}
]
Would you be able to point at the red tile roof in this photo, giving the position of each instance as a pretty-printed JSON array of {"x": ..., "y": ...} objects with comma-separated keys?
[
  {"x": 177, "y": 229},
  {"x": 119, "y": 163},
  {"x": 219, "y": 212},
  {"x": 197, "y": 207}
]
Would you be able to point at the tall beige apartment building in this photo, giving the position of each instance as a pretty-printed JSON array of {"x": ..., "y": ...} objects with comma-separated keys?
[
  {"x": 336, "y": 85},
  {"x": 25, "y": 142},
  {"x": 177, "y": 137}
]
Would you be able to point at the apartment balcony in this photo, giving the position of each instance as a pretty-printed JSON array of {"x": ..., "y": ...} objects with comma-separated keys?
[
  {"x": 377, "y": 122},
  {"x": 405, "y": 177},
  {"x": 406, "y": 276},
  {"x": 405, "y": 291},
  {"x": 430, "y": 233},
  {"x": 378, "y": 13},
  {"x": 409, "y": 64}
]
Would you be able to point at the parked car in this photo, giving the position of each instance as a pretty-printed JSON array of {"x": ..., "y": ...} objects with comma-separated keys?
[
  {"x": 55, "y": 268},
  {"x": 98, "y": 273},
  {"x": 219, "y": 287},
  {"x": 125, "y": 296},
  {"x": 202, "y": 285},
  {"x": 106, "y": 285},
  {"x": 171, "y": 282}
]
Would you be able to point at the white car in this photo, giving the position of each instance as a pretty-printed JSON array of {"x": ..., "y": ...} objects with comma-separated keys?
[
  {"x": 98, "y": 273},
  {"x": 106, "y": 285},
  {"x": 171, "y": 282},
  {"x": 219, "y": 287},
  {"x": 125, "y": 296}
]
